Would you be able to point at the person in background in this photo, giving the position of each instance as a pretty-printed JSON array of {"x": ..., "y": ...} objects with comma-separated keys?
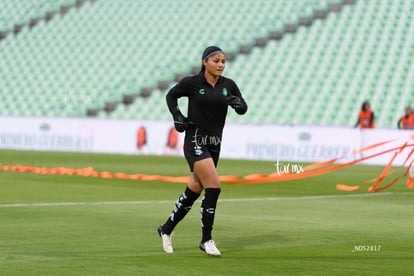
[
  {"x": 141, "y": 138},
  {"x": 406, "y": 121},
  {"x": 366, "y": 118}
]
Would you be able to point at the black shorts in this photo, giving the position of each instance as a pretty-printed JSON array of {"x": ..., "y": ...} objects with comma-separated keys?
[{"x": 194, "y": 151}]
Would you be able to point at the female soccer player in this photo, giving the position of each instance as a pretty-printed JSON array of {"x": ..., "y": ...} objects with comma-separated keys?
[{"x": 209, "y": 94}]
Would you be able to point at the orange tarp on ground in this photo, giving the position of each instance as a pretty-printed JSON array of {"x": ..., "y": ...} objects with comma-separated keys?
[{"x": 305, "y": 172}]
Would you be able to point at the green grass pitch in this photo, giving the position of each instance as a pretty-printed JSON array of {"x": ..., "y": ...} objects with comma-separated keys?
[{"x": 74, "y": 225}]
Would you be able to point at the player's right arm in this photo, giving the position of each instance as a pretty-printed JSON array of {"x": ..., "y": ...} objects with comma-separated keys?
[{"x": 178, "y": 91}]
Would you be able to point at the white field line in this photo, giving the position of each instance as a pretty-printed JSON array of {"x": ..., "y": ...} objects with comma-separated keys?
[{"x": 49, "y": 204}]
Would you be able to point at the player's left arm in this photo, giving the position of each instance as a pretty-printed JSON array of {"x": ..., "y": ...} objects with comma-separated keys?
[{"x": 236, "y": 100}]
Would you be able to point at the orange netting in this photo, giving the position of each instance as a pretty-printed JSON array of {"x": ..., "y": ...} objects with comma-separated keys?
[{"x": 305, "y": 172}]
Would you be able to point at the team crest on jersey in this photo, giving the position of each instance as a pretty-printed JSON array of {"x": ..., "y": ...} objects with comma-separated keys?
[
  {"x": 201, "y": 91},
  {"x": 198, "y": 150},
  {"x": 225, "y": 93}
]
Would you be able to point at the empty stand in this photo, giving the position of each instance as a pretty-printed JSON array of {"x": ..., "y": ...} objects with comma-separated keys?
[{"x": 297, "y": 62}]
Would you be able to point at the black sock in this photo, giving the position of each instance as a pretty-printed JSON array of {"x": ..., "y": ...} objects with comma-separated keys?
[
  {"x": 208, "y": 210},
  {"x": 182, "y": 207}
]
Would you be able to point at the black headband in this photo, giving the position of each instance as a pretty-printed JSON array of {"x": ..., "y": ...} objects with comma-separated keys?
[{"x": 211, "y": 50}]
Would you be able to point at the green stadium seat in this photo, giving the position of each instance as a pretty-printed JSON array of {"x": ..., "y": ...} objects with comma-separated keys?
[{"x": 334, "y": 64}]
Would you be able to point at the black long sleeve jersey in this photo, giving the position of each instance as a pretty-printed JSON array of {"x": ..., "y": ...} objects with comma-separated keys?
[{"x": 207, "y": 105}]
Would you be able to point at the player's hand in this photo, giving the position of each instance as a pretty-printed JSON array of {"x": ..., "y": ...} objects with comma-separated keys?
[
  {"x": 235, "y": 102},
  {"x": 181, "y": 123}
]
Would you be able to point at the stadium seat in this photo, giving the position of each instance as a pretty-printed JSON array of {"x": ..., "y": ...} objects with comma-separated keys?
[{"x": 313, "y": 71}]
